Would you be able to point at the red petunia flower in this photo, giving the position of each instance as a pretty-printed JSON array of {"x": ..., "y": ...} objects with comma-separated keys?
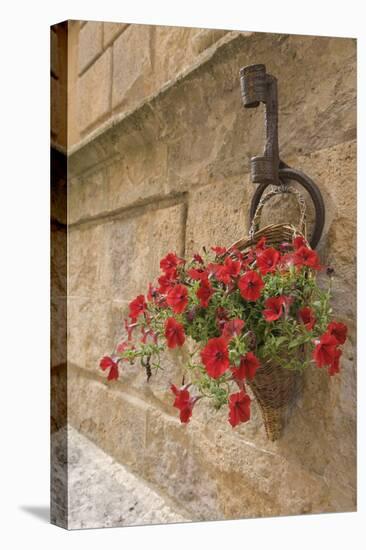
[
  {"x": 298, "y": 242},
  {"x": 198, "y": 274},
  {"x": 166, "y": 282},
  {"x": 235, "y": 252},
  {"x": 239, "y": 408},
  {"x": 268, "y": 260},
  {"x": 215, "y": 357},
  {"x": 232, "y": 328},
  {"x": 184, "y": 402},
  {"x": 261, "y": 244},
  {"x": 304, "y": 256},
  {"x": 247, "y": 368},
  {"x": 174, "y": 333},
  {"x": 137, "y": 306},
  {"x": 338, "y": 330},
  {"x": 108, "y": 363},
  {"x": 286, "y": 261},
  {"x": 232, "y": 267},
  {"x": 307, "y": 316},
  {"x": 274, "y": 308},
  {"x": 204, "y": 293},
  {"x": 250, "y": 286},
  {"x": 219, "y": 250},
  {"x": 170, "y": 263},
  {"x": 326, "y": 350},
  {"x": 177, "y": 298},
  {"x": 220, "y": 271},
  {"x": 334, "y": 367}
]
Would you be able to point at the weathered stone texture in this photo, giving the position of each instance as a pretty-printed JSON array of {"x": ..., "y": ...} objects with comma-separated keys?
[
  {"x": 111, "y": 31},
  {"x": 173, "y": 176},
  {"x": 131, "y": 65},
  {"x": 90, "y": 43},
  {"x": 94, "y": 91}
]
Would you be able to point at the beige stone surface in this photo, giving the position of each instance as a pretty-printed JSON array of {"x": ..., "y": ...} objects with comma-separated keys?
[
  {"x": 94, "y": 91},
  {"x": 174, "y": 175},
  {"x": 206, "y": 38},
  {"x": 90, "y": 43},
  {"x": 111, "y": 31},
  {"x": 211, "y": 470},
  {"x": 131, "y": 66}
]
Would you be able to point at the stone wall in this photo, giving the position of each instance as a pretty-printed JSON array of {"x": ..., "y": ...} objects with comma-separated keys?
[{"x": 159, "y": 150}]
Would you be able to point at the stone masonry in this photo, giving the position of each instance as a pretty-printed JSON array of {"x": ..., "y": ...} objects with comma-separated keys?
[{"x": 158, "y": 160}]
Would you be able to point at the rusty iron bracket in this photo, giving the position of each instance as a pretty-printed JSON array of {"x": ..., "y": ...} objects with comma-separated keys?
[{"x": 257, "y": 86}]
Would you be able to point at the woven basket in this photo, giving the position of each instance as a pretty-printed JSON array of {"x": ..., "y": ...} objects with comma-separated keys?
[{"x": 275, "y": 387}]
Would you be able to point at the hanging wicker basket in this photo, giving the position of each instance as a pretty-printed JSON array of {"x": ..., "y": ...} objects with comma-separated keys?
[{"x": 274, "y": 386}]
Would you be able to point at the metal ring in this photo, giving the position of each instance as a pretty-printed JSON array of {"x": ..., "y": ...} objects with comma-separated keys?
[{"x": 313, "y": 190}]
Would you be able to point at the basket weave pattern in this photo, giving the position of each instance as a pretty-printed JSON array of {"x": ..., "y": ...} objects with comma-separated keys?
[{"x": 275, "y": 387}]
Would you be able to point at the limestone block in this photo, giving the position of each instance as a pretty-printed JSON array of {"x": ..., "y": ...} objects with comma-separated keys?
[
  {"x": 93, "y": 91},
  {"x": 131, "y": 66},
  {"x": 205, "y": 38},
  {"x": 174, "y": 52},
  {"x": 90, "y": 43},
  {"x": 111, "y": 31},
  {"x": 218, "y": 214},
  {"x": 133, "y": 178},
  {"x": 114, "y": 421},
  {"x": 117, "y": 259},
  {"x": 94, "y": 327}
]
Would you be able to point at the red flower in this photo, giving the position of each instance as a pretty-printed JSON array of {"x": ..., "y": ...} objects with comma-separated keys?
[
  {"x": 239, "y": 408},
  {"x": 274, "y": 308},
  {"x": 220, "y": 271},
  {"x": 268, "y": 260},
  {"x": 250, "y": 286},
  {"x": 170, "y": 263},
  {"x": 177, "y": 298},
  {"x": 219, "y": 250},
  {"x": 247, "y": 368},
  {"x": 232, "y": 328},
  {"x": 298, "y": 242},
  {"x": 286, "y": 261},
  {"x": 108, "y": 363},
  {"x": 204, "y": 293},
  {"x": 261, "y": 244},
  {"x": 137, "y": 306},
  {"x": 304, "y": 256},
  {"x": 326, "y": 350},
  {"x": 215, "y": 357},
  {"x": 307, "y": 316},
  {"x": 174, "y": 333},
  {"x": 166, "y": 282},
  {"x": 334, "y": 367},
  {"x": 232, "y": 267},
  {"x": 197, "y": 274},
  {"x": 338, "y": 330},
  {"x": 184, "y": 402}
]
